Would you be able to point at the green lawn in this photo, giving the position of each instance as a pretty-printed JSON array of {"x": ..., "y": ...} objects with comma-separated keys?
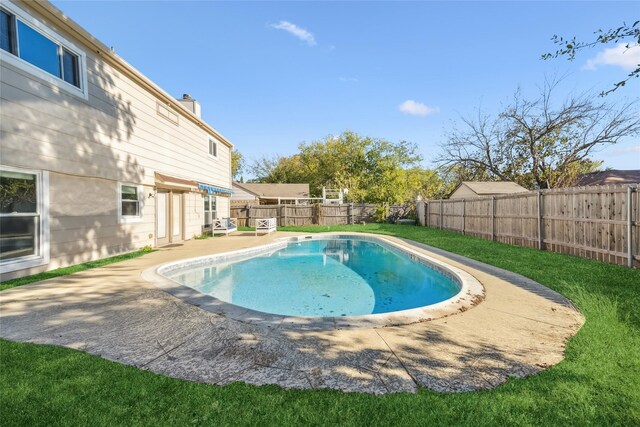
[{"x": 597, "y": 384}]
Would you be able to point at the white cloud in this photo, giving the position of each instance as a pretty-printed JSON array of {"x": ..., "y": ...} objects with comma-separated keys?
[
  {"x": 415, "y": 108},
  {"x": 621, "y": 56},
  {"x": 293, "y": 29},
  {"x": 634, "y": 149}
]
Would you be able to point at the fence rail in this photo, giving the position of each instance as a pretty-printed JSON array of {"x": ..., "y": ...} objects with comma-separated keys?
[
  {"x": 600, "y": 222},
  {"x": 317, "y": 214}
]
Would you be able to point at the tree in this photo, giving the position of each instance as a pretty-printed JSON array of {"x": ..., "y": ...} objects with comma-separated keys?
[
  {"x": 237, "y": 164},
  {"x": 373, "y": 170},
  {"x": 628, "y": 34},
  {"x": 538, "y": 144},
  {"x": 277, "y": 169}
]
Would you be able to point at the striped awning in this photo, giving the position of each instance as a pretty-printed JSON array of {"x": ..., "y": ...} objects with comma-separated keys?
[{"x": 211, "y": 189}]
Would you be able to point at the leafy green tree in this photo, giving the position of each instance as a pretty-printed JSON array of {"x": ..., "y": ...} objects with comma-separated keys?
[
  {"x": 627, "y": 34},
  {"x": 373, "y": 170},
  {"x": 538, "y": 143},
  {"x": 237, "y": 164}
]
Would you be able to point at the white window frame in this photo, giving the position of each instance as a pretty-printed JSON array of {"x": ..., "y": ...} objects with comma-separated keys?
[
  {"x": 42, "y": 258},
  {"x": 216, "y": 143},
  {"x": 28, "y": 67},
  {"x": 125, "y": 219},
  {"x": 214, "y": 212}
]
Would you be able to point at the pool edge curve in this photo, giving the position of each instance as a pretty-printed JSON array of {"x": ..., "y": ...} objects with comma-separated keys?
[{"x": 471, "y": 290}]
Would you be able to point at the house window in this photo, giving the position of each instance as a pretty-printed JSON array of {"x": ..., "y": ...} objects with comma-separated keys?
[
  {"x": 29, "y": 42},
  {"x": 38, "y": 50},
  {"x": 7, "y": 36},
  {"x": 70, "y": 69},
  {"x": 130, "y": 203},
  {"x": 213, "y": 148},
  {"x": 209, "y": 209},
  {"x": 23, "y": 219}
]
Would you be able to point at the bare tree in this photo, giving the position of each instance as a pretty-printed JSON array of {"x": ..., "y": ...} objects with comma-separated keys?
[
  {"x": 536, "y": 143},
  {"x": 263, "y": 167}
]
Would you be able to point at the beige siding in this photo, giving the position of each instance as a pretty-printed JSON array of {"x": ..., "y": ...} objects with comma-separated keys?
[
  {"x": 129, "y": 133},
  {"x": 194, "y": 215},
  {"x": 84, "y": 221},
  {"x": 463, "y": 192},
  {"x": 89, "y": 145},
  {"x": 223, "y": 207}
]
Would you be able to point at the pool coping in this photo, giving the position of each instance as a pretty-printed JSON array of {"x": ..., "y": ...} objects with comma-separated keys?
[{"x": 471, "y": 290}]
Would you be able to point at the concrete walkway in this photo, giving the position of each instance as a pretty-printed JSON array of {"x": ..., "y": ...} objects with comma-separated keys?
[{"x": 519, "y": 329}]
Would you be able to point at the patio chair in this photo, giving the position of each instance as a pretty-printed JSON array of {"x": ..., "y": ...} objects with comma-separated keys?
[
  {"x": 266, "y": 225},
  {"x": 224, "y": 226}
]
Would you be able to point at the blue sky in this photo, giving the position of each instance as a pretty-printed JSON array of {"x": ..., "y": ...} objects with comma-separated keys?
[{"x": 270, "y": 75}]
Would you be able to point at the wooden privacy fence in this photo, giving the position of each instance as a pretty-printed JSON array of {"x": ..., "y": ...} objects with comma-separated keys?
[
  {"x": 600, "y": 222},
  {"x": 316, "y": 214}
]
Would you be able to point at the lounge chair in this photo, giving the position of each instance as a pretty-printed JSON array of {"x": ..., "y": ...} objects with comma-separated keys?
[
  {"x": 265, "y": 225},
  {"x": 224, "y": 226}
]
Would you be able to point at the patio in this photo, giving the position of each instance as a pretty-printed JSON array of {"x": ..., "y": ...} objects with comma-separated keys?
[{"x": 519, "y": 329}]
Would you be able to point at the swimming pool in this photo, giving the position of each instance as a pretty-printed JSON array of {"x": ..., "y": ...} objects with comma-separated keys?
[
  {"x": 323, "y": 277},
  {"x": 200, "y": 272}
]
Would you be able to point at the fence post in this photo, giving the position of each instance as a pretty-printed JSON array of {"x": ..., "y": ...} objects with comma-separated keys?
[
  {"x": 493, "y": 218},
  {"x": 540, "y": 236},
  {"x": 441, "y": 226},
  {"x": 426, "y": 213},
  {"x": 249, "y": 217},
  {"x": 351, "y": 213},
  {"x": 463, "y": 216},
  {"x": 630, "y": 226},
  {"x": 284, "y": 214}
]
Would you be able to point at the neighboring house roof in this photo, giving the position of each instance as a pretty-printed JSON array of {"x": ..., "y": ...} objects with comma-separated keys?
[
  {"x": 242, "y": 186},
  {"x": 610, "y": 177},
  {"x": 487, "y": 188},
  {"x": 107, "y": 54},
  {"x": 275, "y": 190},
  {"x": 497, "y": 187}
]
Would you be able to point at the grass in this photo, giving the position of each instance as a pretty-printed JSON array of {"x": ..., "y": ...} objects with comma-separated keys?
[
  {"x": 598, "y": 383},
  {"x": 64, "y": 271}
]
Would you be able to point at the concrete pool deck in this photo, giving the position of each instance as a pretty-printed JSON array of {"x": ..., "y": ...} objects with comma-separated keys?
[{"x": 519, "y": 329}]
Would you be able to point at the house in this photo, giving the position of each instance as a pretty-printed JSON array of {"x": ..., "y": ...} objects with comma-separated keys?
[
  {"x": 473, "y": 189},
  {"x": 96, "y": 159},
  {"x": 270, "y": 194},
  {"x": 609, "y": 177}
]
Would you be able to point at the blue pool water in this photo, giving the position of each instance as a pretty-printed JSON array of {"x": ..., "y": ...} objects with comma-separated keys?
[{"x": 339, "y": 277}]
